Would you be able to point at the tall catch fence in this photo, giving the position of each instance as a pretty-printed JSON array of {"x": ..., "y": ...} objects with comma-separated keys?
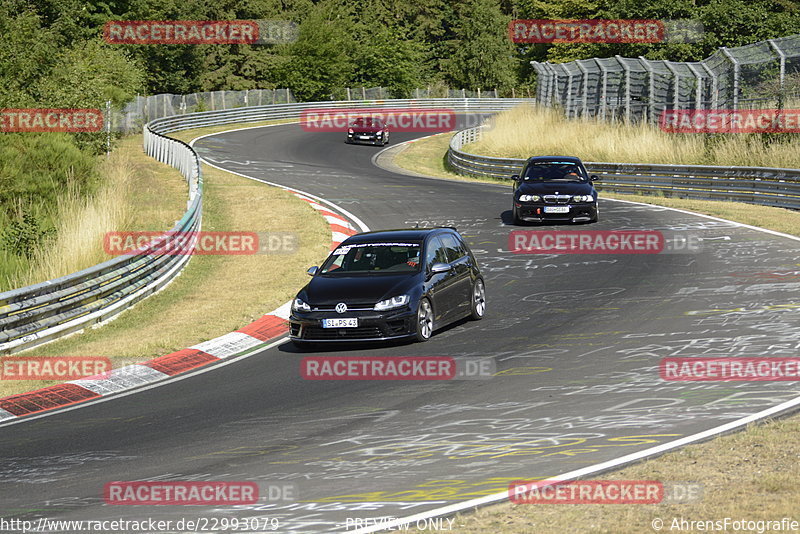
[{"x": 760, "y": 75}]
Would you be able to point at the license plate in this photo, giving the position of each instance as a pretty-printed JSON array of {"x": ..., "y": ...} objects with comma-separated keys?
[
  {"x": 556, "y": 209},
  {"x": 340, "y": 323},
  {"x": 363, "y": 137}
]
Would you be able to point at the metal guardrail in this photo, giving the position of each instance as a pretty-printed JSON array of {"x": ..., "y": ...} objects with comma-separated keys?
[
  {"x": 36, "y": 314},
  {"x": 40, "y": 313},
  {"x": 293, "y": 111},
  {"x": 753, "y": 185}
]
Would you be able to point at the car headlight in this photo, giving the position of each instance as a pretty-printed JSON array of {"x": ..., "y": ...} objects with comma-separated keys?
[
  {"x": 299, "y": 305},
  {"x": 392, "y": 303},
  {"x": 582, "y": 198},
  {"x": 379, "y": 132},
  {"x": 529, "y": 198},
  {"x": 350, "y": 131}
]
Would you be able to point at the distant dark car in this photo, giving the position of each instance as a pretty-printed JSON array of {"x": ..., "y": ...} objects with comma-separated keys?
[
  {"x": 554, "y": 188},
  {"x": 388, "y": 285},
  {"x": 368, "y": 130}
]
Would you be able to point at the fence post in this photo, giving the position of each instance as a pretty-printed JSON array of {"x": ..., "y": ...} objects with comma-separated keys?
[
  {"x": 736, "y": 72},
  {"x": 627, "y": 71},
  {"x": 714, "y": 85},
  {"x": 585, "y": 91},
  {"x": 676, "y": 88},
  {"x": 604, "y": 92},
  {"x": 782, "y": 56},
  {"x": 651, "y": 90},
  {"x": 698, "y": 95}
]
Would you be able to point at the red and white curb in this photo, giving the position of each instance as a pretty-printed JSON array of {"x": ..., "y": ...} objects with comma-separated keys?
[{"x": 269, "y": 327}]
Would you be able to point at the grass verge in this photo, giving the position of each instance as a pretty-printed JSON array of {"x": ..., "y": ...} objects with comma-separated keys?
[
  {"x": 215, "y": 294},
  {"x": 597, "y": 140},
  {"x": 749, "y": 475}
]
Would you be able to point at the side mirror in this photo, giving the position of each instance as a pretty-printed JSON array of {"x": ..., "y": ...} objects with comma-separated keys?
[
  {"x": 594, "y": 178},
  {"x": 440, "y": 268},
  {"x": 312, "y": 271},
  {"x": 515, "y": 177}
]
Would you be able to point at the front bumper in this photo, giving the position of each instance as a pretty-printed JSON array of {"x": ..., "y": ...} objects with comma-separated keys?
[
  {"x": 371, "y": 138},
  {"x": 372, "y": 326},
  {"x": 576, "y": 212}
]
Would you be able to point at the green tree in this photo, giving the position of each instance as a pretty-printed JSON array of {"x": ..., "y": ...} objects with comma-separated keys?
[
  {"x": 480, "y": 52},
  {"x": 318, "y": 65}
]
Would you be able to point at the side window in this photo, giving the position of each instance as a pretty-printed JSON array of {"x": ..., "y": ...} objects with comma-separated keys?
[
  {"x": 435, "y": 252},
  {"x": 454, "y": 249}
]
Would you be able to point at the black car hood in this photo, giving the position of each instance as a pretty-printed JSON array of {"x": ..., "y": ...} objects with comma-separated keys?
[
  {"x": 359, "y": 289},
  {"x": 365, "y": 129},
  {"x": 552, "y": 188}
]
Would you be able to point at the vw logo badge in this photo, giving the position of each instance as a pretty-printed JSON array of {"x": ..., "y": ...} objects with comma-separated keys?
[{"x": 341, "y": 307}]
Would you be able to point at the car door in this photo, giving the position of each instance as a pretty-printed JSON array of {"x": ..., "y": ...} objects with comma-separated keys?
[
  {"x": 461, "y": 268},
  {"x": 439, "y": 285}
]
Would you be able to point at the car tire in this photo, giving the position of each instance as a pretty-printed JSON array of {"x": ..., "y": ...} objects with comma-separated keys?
[
  {"x": 478, "y": 300},
  {"x": 424, "y": 320},
  {"x": 515, "y": 220}
]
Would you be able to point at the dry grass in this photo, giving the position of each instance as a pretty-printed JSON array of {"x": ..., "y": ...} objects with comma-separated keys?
[
  {"x": 526, "y": 131},
  {"x": 134, "y": 194},
  {"x": 750, "y": 475},
  {"x": 214, "y": 295}
]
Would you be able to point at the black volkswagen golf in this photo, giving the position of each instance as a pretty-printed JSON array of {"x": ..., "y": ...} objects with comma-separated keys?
[
  {"x": 554, "y": 188},
  {"x": 388, "y": 285}
]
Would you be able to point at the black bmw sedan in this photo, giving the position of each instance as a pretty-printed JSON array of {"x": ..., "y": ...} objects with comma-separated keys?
[
  {"x": 388, "y": 285},
  {"x": 554, "y": 188}
]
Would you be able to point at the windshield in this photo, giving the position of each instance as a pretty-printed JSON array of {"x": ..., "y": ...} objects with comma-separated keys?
[
  {"x": 556, "y": 171},
  {"x": 366, "y": 258},
  {"x": 367, "y": 122}
]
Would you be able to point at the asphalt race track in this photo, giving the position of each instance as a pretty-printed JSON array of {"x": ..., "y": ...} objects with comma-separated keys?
[{"x": 576, "y": 339}]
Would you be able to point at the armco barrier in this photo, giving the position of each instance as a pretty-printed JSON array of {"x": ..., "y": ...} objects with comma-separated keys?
[
  {"x": 36, "y": 314},
  {"x": 753, "y": 185},
  {"x": 43, "y": 312}
]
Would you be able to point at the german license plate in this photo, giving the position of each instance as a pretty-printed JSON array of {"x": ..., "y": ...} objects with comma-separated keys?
[
  {"x": 556, "y": 209},
  {"x": 340, "y": 323}
]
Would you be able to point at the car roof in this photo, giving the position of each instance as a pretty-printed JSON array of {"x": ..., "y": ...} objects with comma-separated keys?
[
  {"x": 408, "y": 234},
  {"x": 547, "y": 159}
]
